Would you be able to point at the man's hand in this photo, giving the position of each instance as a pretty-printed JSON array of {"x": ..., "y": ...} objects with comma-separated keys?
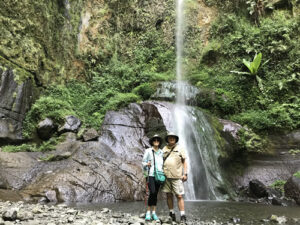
[
  {"x": 149, "y": 164},
  {"x": 184, "y": 177}
]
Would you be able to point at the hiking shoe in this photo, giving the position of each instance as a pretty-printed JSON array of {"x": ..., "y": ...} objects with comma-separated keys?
[
  {"x": 183, "y": 219},
  {"x": 173, "y": 216},
  {"x": 148, "y": 217},
  {"x": 154, "y": 217}
]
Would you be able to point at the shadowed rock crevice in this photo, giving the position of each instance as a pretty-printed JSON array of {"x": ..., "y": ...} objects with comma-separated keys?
[{"x": 16, "y": 99}]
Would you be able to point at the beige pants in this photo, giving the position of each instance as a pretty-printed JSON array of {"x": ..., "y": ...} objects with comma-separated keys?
[{"x": 174, "y": 186}]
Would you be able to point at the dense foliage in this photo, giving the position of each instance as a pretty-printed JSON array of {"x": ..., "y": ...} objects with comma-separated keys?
[
  {"x": 113, "y": 81},
  {"x": 272, "y": 105},
  {"x": 129, "y": 64}
]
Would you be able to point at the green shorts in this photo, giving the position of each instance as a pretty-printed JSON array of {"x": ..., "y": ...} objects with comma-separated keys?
[{"x": 174, "y": 186}]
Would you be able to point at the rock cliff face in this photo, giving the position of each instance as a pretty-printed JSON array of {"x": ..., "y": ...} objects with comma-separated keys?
[
  {"x": 15, "y": 101},
  {"x": 51, "y": 41},
  {"x": 105, "y": 170},
  {"x": 278, "y": 166}
]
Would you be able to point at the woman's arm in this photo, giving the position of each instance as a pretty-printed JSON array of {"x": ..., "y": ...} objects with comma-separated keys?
[{"x": 145, "y": 159}]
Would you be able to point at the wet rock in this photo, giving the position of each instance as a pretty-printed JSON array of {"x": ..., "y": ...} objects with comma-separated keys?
[
  {"x": 15, "y": 101},
  {"x": 72, "y": 124},
  {"x": 258, "y": 188},
  {"x": 43, "y": 200},
  {"x": 278, "y": 219},
  {"x": 69, "y": 136},
  {"x": 2, "y": 185},
  {"x": 10, "y": 215},
  {"x": 21, "y": 165},
  {"x": 166, "y": 91},
  {"x": 90, "y": 135},
  {"x": 235, "y": 220},
  {"x": 51, "y": 196},
  {"x": 46, "y": 129},
  {"x": 231, "y": 127},
  {"x": 292, "y": 188}
]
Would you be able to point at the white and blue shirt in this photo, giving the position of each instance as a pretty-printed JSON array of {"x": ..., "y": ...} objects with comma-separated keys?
[{"x": 159, "y": 161}]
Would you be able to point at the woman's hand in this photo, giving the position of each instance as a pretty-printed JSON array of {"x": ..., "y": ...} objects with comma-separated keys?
[{"x": 149, "y": 164}]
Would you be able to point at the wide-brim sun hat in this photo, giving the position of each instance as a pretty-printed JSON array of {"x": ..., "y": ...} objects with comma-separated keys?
[
  {"x": 171, "y": 134},
  {"x": 156, "y": 136}
]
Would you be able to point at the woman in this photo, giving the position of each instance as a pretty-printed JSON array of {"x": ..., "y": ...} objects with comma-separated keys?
[{"x": 148, "y": 165}]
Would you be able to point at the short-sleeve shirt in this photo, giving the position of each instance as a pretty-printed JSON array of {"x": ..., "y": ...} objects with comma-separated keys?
[{"x": 174, "y": 163}]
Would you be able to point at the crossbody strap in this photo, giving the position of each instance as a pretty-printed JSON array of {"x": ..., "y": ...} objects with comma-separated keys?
[
  {"x": 154, "y": 159},
  {"x": 165, "y": 158}
]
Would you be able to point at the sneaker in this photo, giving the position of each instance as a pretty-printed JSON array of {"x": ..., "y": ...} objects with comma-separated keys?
[
  {"x": 173, "y": 216},
  {"x": 154, "y": 217},
  {"x": 183, "y": 219},
  {"x": 148, "y": 217}
]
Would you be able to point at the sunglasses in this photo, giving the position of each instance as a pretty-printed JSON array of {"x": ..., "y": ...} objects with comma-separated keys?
[{"x": 156, "y": 139}]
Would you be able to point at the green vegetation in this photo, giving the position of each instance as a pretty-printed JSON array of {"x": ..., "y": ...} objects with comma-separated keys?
[
  {"x": 271, "y": 101},
  {"x": 294, "y": 151},
  {"x": 52, "y": 157},
  {"x": 278, "y": 185},
  {"x": 297, "y": 174},
  {"x": 112, "y": 84},
  {"x": 250, "y": 141},
  {"x": 33, "y": 147},
  {"x": 33, "y": 35}
]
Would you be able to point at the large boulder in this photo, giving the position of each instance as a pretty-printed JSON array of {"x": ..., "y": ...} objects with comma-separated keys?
[
  {"x": 292, "y": 188},
  {"x": 258, "y": 189},
  {"x": 94, "y": 171},
  {"x": 46, "y": 128},
  {"x": 72, "y": 124},
  {"x": 15, "y": 101}
]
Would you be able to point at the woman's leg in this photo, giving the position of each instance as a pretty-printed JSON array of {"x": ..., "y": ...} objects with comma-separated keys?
[{"x": 151, "y": 200}]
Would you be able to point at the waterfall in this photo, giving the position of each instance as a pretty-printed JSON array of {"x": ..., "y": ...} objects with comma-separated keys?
[{"x": 195, "y": 134}]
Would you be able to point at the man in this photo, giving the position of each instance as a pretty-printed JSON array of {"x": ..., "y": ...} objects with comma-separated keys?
[{"x": 175, "y": 169}]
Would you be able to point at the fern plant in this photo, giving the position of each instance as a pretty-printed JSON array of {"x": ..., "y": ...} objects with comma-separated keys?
[{"x": 253, "y": 69}]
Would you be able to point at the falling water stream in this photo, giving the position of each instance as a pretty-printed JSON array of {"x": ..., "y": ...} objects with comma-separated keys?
[{"x": 194, "y": 131}]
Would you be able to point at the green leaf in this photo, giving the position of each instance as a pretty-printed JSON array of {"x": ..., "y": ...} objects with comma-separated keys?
[
  {"x": 238, "y": 72},
  {"x": 280, "y": 84},
  {"x": 256, "y": 63},
  {"x": 259, "y": 82},
  {"x": 248, "y": 64}
]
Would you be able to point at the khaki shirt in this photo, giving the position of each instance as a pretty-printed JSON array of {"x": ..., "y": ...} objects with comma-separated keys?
[{"x": 173, "y": 165}]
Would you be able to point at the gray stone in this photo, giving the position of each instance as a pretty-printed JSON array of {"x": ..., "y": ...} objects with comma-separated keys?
[
  {"x": 46, "y": 129},
  {"x": 278, "y": 219},
  {"x": 10, "y": 215},
  {"x": 258, "y": 188},
  {"x": 69, "y": 136},
  {"x": 72, "y": 124},
  {"x": 231, "y": 127},
  {"x": 51, "y": 195},
  {"x": 292, "y": 188},
  {"x": 90, "y": 135}
]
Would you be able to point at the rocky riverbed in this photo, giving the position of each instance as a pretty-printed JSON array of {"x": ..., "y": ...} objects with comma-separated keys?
[
  {"x": 34, "y": 214},
  {"x": 131, "y": 213}
]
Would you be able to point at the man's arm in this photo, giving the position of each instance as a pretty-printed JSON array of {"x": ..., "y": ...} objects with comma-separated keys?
[{"x": 184, "y": 177}]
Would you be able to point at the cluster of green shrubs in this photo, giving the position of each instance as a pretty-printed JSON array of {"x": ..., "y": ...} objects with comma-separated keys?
[
  {"x": 33, "y": 147},
  {"x": 113, "y": 79},
  {"x": 279, "y": 184},
  {"x": 237, "y": 96}
]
